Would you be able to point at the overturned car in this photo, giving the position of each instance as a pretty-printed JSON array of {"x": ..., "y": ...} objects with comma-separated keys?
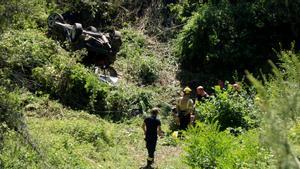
[{"x": 102, "y": 47}]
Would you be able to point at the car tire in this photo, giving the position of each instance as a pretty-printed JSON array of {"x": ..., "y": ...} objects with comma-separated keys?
[{"x": 54, "y": 17}]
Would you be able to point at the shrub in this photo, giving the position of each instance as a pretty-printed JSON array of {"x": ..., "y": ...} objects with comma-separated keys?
[
  {"x": 148, "y": 71},
  {"x": 133, "y": 43},
  {"x": 23, "y": 14},
  {"x": 230, "y": 108},
  {"x": 278, "y": 100},
  {"x": 141, "y": 69},
  {"x": 185, "y": 9},
  {"x": 11, "y": 116},
  {"x": 294, "y": 137},
  {"x": 206, "y": 147},
  {"x": 73, "y": 85},
  {"x": 96, "y": 13},
  {"x": 17, "y": 154},
  {"x": 224, "y": 35},
  {"x": 38, "y": 63},
  {"x": 21, "y": 51},
  {"x": 128, "y": 101},
  {"x": 137, "y": 62}
]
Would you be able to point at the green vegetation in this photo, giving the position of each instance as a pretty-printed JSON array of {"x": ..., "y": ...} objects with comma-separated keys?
[
  {"x": 23, "y": 14},
  {"x": 56, "y": 113},
  {"x": 137, "y": 61},
  {"x": 207, "y": 147},
  {"x": 66, "y": 139},
  {"x": 279, "y": 102},
  {"x": 221, "y": 36},
  {"x": 230, "y": 108},
  {"x": 10, "y": 117}
]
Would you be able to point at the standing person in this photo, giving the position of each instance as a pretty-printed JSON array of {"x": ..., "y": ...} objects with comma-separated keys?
[
  {"x": 221, "y": 84},
  {"x": 236, "y": 87},
  {"x": 201, "y": 94},
  {"x": 152, "y": 128},
  {"x": 185, "y": 109}
]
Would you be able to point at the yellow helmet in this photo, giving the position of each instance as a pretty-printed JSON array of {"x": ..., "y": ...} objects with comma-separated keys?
[{"x": 187, "y": 90}]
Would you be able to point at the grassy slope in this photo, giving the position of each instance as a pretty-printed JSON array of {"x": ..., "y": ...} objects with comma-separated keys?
[{"x": 72, "y": 139}]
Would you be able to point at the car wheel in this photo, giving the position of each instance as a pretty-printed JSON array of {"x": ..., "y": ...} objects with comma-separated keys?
[{"x": 55, "y": 17}]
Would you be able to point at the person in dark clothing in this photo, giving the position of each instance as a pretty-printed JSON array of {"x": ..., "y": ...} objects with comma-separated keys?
[
  {"x": 201, "y": 94},
  {"x": 151, "y": 127},
  {"x": 221, "y": 84}
]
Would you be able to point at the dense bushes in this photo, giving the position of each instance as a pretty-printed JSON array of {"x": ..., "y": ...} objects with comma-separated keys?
[
  {"x": 207, "y": 148},
  {"x": 128, "y": 101},
  {"x": 230, "y": 136},
  {"x": 220, "y": 35},
  {"x": 278, "y": 115},
  {"x": 73, "y": 85},
  {"x": 33, "y": 13},
  {"x": 33, "y": 61},
  {"x": 23, "y": 50},
  {"x": 23, "y": 14},
  {"x": 101, "y": 14},
  {"x": 230, "y": 108},
  {"x": 278, "y": 99}
]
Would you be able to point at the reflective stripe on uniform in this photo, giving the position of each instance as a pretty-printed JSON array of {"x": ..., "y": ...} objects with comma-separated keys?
[{"x": 186, "y": 106}]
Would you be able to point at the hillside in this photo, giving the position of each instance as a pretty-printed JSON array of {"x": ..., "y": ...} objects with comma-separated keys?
[
  {"x": 56, "y": 111},
  {"x": 69, "y": 139}
]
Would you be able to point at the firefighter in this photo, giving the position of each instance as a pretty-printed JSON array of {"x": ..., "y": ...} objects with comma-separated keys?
[{"x": 185, "y": 109}]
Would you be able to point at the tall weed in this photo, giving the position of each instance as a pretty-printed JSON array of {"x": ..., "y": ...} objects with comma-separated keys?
[{"x": 278, "y": 99}]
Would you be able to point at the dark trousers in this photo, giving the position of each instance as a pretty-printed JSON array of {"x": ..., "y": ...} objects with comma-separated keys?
[
  {"x": 184, "y": 120},
  {"x": 150, "y": 145}
]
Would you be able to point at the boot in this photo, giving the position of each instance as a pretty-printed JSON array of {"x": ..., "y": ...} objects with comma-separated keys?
[{"x": 149, "y": 161}]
